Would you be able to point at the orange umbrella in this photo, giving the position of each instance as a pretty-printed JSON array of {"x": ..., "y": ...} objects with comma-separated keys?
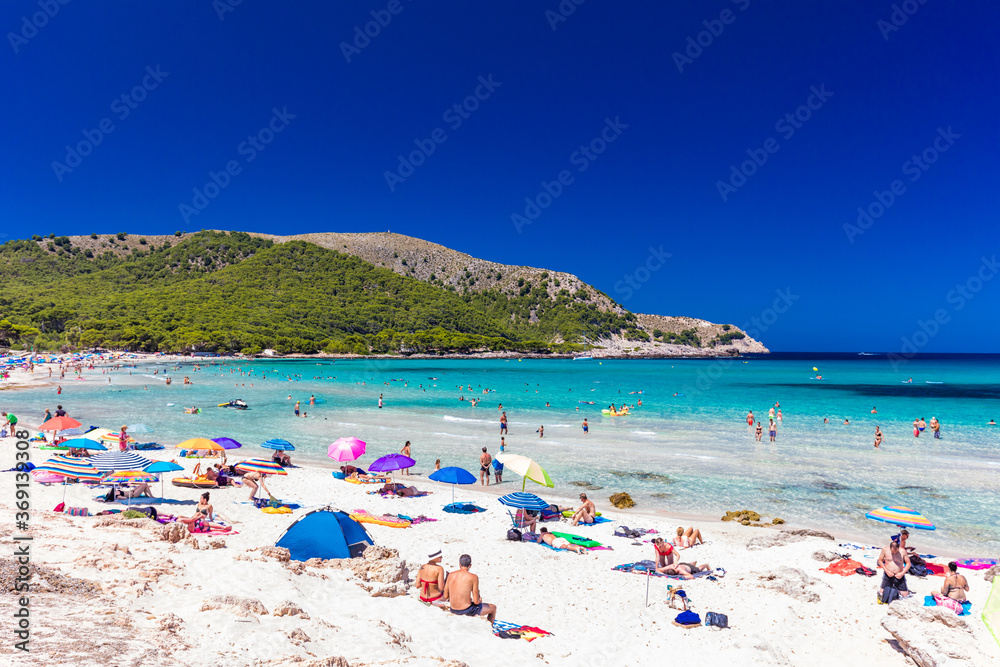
[{"x": 59, "y": 424}]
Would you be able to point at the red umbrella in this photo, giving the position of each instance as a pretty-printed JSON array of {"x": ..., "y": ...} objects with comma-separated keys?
[{"x": 59, "y": 424}]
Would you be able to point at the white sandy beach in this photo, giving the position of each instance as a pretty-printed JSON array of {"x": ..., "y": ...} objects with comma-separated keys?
[{"x": 153, "y": 599}]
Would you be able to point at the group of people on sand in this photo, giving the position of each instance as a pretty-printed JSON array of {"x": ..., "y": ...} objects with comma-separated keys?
[
  {"x": 668, "y": 560},
  {"x": 897, "y": 559},
  {"x": 458, "y": 591}
]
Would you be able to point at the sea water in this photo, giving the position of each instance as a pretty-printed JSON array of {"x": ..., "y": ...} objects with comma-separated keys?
[{"x": 686, "y": 450}]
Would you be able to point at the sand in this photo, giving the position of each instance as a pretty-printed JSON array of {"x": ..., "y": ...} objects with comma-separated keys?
[{"x": 113, "y": 593}]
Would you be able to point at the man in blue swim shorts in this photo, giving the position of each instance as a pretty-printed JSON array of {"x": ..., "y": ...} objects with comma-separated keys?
[{"x": 461, "y": 589}]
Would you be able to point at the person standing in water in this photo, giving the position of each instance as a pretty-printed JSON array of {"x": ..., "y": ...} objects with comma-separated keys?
[
  {"x": 586, "y": 427},
  {"x": 503, "y": 424},
  {"x": 936, "y": 427},
  {"x": 380, "y": 401},
  {"x": 878, "y": 437},
  {"x": 772, "y": 430},
  {"x": 485, "y": 461},
  {"x": 541, "y": 431},
  {"x": 760, "y": 430}
]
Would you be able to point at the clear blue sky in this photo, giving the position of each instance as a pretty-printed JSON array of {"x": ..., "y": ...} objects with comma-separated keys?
[{"x": 884, "y": 95}]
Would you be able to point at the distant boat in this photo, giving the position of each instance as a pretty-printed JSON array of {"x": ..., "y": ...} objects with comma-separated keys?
[
  {"x": 866, "y": 354},
  {"x": 932, "y": 382},
  {"x": 581, "y": 358}
]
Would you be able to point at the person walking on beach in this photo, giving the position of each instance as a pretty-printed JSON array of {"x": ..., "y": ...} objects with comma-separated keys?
[
  {"x": 380, "y": 401},
  {"x": 878, "y": 437},
  {"x": 541, "y": 431},
  {"x": 503, "y": 424},
  {"x": 405, "y": 451},
  {"x": 586, "y": 427},
  {"x": 760, "y": 430},
  {"x": 11, "y": 422},
  {"x": 461, "y": 590},
  {"x": 484, "y": 467},
  {"x": 936, "y": 427},
  {"x": 123, "y": 438}
]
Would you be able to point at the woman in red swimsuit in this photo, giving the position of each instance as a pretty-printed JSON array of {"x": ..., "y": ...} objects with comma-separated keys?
[
  {"x": 430, "y": 579},
  {"x": 665, "y": 554}
]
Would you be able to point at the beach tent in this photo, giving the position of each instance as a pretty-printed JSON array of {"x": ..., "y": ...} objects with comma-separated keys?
[{"x": 325, "y": 533}]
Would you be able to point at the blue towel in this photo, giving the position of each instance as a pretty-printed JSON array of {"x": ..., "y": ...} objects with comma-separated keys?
[
  {"x": 597, "y": 520},
  {"x": 463, "y": 508}
]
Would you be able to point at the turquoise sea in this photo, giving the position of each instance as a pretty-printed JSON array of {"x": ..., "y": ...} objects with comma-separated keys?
[{"x": 689, "y": 453}]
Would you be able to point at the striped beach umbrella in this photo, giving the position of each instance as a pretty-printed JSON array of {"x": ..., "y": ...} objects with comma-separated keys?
[
  {"x": 132, "y": 476},
  {"x": 119, "y": 461},
  {"x": 69, "y": 467},
  {"x": 901, "y": 516},
  {"x": 112, "y": 436},
  {"x": 523, "y": 501},
  {"x": 262, "y": 466},
  {"x": 278, "y": 444},
  {"x": 527, "y": 468}
]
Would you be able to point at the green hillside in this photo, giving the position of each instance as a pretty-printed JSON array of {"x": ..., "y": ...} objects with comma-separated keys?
[{"x": 228, "y": 292}]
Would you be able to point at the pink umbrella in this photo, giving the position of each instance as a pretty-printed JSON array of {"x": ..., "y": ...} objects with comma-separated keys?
[{"x": 346, "y": 449}]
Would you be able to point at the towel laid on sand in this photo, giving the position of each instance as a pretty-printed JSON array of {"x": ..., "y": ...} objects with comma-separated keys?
[
  {"x": 506, "y": 630},
  {"x": 845, "y": 567}
]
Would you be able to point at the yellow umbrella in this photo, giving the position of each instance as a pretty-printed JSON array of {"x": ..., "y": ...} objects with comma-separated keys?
[
  {"x": 201, "y": 444},
  {"x": 527, "y": 468}
]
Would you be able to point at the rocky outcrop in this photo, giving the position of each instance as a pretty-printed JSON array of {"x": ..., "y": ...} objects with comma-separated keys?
[
  {"x": 379, "y": 564},
  {"x": 792, "y": 582},
  {"x": 173, "y": 532},
  {"x": 769, "y": 540},
  {"x": 236, "y": 604},
  {"x": 932, "y": 636},
  {"x": 825, "y": 556},
  {"x": 622, "y": 501},
  {"x": 288, "y": 608},
  {"x": 806, "y": 532},
  {"x": 991, "y": 573}
]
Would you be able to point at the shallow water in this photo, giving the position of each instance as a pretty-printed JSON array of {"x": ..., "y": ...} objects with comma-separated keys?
[{"x": 690, "y": 453}]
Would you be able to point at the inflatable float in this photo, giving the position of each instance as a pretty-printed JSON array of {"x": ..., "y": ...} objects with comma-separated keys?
[
  {"x": 192, "y": 411},
  {"x": 199, "y": 483},
  {"x": 361, "y": 516},
  {"x": 615, "y": 414}
]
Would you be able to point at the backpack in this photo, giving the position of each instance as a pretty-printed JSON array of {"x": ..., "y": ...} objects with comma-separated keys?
[
  {"x": 514, "y": 535},
  {"x": 109, "y": 497},
  {"x": 718, "y": 620},
  {"x": 918, "y": 570}
]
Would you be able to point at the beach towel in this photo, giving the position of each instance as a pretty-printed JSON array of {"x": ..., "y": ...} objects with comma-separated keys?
[
  {"x": 625, "y": 531},
  {"x": 415, "y": 521},
  {"x": 648, "y": 568},
  {"x": 977, "y": 563},
  {"x": 597, "y": 520},
  {"x": 463, "y": 508},
  {"x": 935, "y": 569},
  {"x": 845, "y": 567},
  {"x": 960, "y": 608},
  {"x": 506, "y": 630}
]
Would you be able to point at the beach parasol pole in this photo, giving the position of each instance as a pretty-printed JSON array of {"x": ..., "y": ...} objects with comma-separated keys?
[{"x": 648, "y": 575}]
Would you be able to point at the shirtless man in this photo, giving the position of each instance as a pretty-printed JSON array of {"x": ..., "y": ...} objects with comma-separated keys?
[
  {"x": 503, "y": 424},
  {"x": 484, "y": 467},
  {"x": 461, "y": 590},
  {"x": 559, "y": 542},
  {"x": 750, "y": 419},
  {"x": 921, "y": 424},
  {"x": 430, "y": 579},
  {"x": 936, "y": 427},
  {"x": 894, "y": 563},
  {"x": 586, "y": 513}
]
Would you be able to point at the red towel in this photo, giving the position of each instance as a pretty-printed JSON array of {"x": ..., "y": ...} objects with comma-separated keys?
[
  {"x": 936, "y": 569},
  {"x": 844, "y": 567}
]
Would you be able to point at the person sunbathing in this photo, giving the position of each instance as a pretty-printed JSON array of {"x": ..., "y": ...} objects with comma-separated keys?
[
  {"x": 526, "y": 520},
  {"x": 391, "y": 487},
  {"x": 559, "y": 542},
  {"x": 139, "y": 490},
  {"x": 408, "y": 492},
  {"x": 687, "y": 538},
  {"x": 665, "y": 553},
  {"x": 430, "y": 579},
  {"x": 587, "y": 512},
  {"x": 199, "y": 523},
  {"x": 685, "y": 570}
]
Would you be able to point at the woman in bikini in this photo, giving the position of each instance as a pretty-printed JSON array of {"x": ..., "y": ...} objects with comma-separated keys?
[
  {"x": 251, "y": 478},
  {"x": 665, "y": 554},
  {"x": 205, "y": 507},
  {"x": 430, "y": 579},
  {"x": 955, "y": 585},
  {"x": 687, "y": 538}
]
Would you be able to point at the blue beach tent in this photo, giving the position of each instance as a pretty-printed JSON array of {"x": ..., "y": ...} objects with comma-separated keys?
[{"x": 325, "y": 533}]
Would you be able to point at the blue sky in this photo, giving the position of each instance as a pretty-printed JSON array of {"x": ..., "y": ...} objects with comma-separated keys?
[{"x": 643, "y": 111}]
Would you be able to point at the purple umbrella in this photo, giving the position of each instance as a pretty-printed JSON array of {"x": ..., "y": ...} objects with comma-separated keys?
[
  {"x": 392, "y": 462},
  {"x": 227, "y": 443}
]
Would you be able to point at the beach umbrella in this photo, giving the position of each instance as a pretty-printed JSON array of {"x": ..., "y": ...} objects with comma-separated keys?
[
  {"x": 161, "y": 467},
  {"x": 140, "y": 428},
  {"x": 69, "y": 467},
  {"x": 391, "y": 462},
  {"x": 83, "y": 443},
  {"x": 59, "y": 424},
  {"x": 119, "y": 461},
  {"x": 901, "y": 516},
  {"x": 527, "y": 468},
  {"x": 523, "y": 501},
  {"x": 346, "y": 449},
  {"x": 453, "y": 475},
  {"x": 227, "y": 443},
  {"x": 991, "y": 611},
  {"x": 278, "y": 444},
  {"x": 113, "y": 436},
  {"x": 262, "y": 466}
]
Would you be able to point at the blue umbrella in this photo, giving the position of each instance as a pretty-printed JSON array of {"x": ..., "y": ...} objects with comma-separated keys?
[
  {"x": 523, "y": 501},
  {"x": 276, "y": 443},
  {"x": 83, "y": 443},
  {"x": 453, "y": 475},
  {"x": 162, "y": 466}
]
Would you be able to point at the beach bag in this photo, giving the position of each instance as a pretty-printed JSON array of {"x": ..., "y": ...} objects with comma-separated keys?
[
  {"x": 148, "y": 511},
  {"x": 687, "y": 619},
  {"x": 514, "y": 535},
  {"x": 918, "y": 570},
  {"x": 716, "y": 620},
  {"x": 529, "y": 537},
  {"x": 868, "y": 572},
  {"x": 109, "y": 497},
  {"x": 77, "y": 511},
  {"x": 917, "y": 560}
]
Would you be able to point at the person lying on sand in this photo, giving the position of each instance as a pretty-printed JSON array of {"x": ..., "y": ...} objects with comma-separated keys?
[
  {"x": 430, "y": 579},
  {"x": 199, "y": 523},
  {"x": 137, "y": 491},
  {"x": 687, "y": 538},
  {"x": 409, "y": 492},
  {"x": 665, "y": 553},
  {"x": 586, "y": 513},
  {"x": 461, "y": 590},
  {"x": 559, "y": 542},
  {"x": 686, "y": 570}
]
